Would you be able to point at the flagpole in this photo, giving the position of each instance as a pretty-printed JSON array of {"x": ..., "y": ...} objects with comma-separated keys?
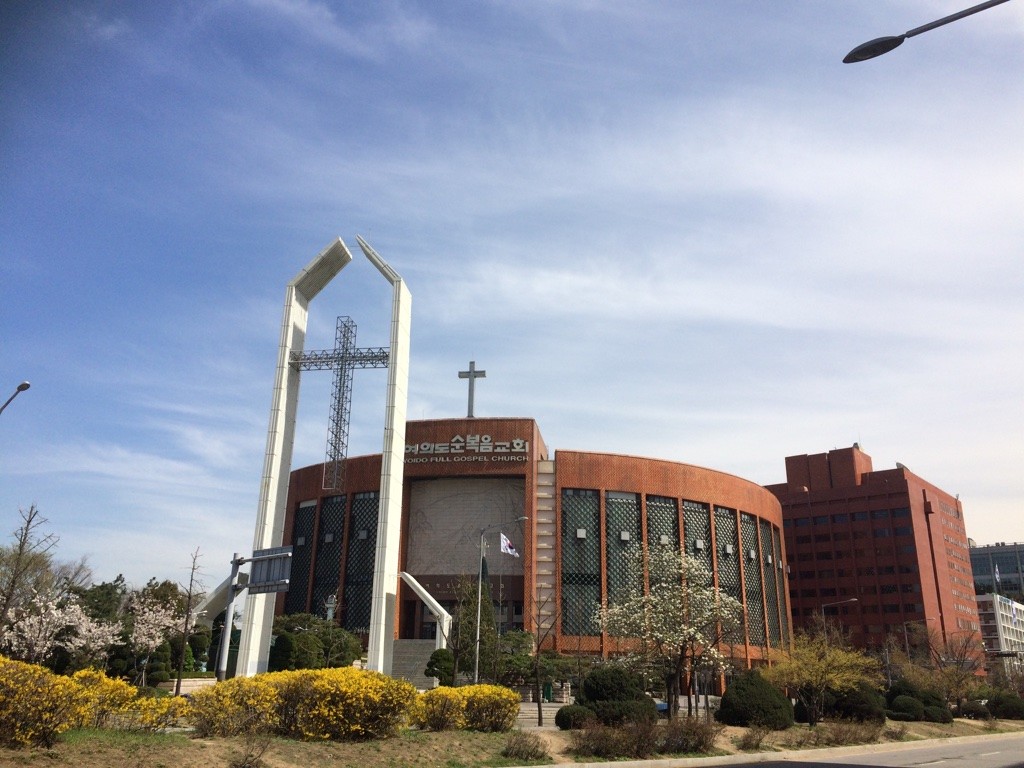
[{"x": 480, "y": 594}]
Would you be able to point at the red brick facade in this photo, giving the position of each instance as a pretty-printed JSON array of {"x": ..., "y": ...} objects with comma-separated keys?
[
  {"x": 883, "y": 552},
  {"x": 460, "y": 475}
]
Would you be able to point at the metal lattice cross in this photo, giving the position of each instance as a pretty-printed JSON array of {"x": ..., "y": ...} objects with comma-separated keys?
[{"x": 343, "y": 360}]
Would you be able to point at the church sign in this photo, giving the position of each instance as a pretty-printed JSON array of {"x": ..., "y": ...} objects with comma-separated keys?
[{"x": 467, "y": 448}]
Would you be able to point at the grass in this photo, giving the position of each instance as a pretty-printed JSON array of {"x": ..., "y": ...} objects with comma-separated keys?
[{"x": 451, "y": 749}]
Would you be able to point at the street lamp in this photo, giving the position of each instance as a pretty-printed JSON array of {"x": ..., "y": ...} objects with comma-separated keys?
[
  {"x": 21, "y": 388},
  {"x": 480, "y": 592},
  {"x": 841, "y": 602},
  {"x": 880, "y": 45}
]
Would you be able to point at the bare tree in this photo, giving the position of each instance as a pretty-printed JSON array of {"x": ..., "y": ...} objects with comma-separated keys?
[
  {"x": 193, "y": 594},
  {"x": 959, "y": 659},
  {"x": 23, "y": 561}
]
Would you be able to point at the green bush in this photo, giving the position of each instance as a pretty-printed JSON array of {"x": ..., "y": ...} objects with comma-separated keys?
[
  {"x": 973, "y": 710},
  {"x": 490, "y": 707},
  {"x": 610, "y": 683},
  {"x": 572, "y": 717},
  {"x": 441, "y": 666},
  {"x": 752, "y": 700},
  {"x": 937, "y": 714},
  {"x": 621, "y": 712},
  {"x": 905, "y": 688},
  {"x": 907, "y": 705},
  {"x": 906, "y": 717},
  {"x": 1006, "y": 706},
  {"x": 864, "y": 704}
]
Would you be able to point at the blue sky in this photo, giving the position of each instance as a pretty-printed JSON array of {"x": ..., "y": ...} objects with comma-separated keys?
[{"x": 673, "y": 229}]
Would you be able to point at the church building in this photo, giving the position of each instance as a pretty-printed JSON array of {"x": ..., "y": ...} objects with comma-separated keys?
[{"x": 554, "y": 526}]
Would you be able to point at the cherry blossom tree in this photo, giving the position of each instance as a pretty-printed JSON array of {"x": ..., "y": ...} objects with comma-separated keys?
[
  {"x": 679, "y": 620},
  {"x": 151, "y": 621},
  {"x": 46, "y": 623}
]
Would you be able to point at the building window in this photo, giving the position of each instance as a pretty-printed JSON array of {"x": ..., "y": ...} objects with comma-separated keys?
[{"x": 581, "y": 561}]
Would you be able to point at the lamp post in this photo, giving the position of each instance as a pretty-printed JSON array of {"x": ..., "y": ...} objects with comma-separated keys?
[
  {"x": 841, "y": 602},
  {"x": 880, "y": 45},
  {"x": 480, "y": 593},
  {"x": 21, "y": 388}
]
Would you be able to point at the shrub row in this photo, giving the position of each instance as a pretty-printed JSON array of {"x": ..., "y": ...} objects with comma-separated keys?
[
  {"x": 472, "y": 707},
  {"x": 640, "y": 740},
  {"x": 342, "y": 703},
  {"x": 36, "y": 705}
]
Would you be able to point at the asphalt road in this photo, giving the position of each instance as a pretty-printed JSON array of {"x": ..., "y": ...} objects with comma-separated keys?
[
  {"x": 974, "y": 752},
  {"x": 988, "y": 751}
]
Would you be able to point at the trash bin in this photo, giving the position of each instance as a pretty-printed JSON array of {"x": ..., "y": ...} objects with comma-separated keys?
[{"x": 549, "y": 694}]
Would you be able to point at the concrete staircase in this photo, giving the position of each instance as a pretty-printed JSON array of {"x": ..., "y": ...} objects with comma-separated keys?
[
  {"x": 528, "y": 714},
  {"x": 410, "y": 659}
]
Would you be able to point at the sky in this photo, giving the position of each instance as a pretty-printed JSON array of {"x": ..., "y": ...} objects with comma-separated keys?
[{"x": 682, "y": 230}]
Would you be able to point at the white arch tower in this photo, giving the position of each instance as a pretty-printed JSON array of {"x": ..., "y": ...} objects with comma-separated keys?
[{"x": 258, "y": 620}]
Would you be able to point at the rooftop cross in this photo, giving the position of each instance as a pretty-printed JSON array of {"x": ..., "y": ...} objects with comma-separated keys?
[{"x": 472, "y": 374}]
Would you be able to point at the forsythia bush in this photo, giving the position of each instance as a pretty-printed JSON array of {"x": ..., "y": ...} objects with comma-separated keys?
[
  {"x": 105, "y": 699},
  {"x": 35, "y": 704},
  {"x": 440, "y": 709},
  {"x": 350, "y": 703},
  {"x": 236, "y": 706},
  {"x": 336, "y": 703},
  {"x": 152, "y": 714},
  {"x": 490, "y": 707}
]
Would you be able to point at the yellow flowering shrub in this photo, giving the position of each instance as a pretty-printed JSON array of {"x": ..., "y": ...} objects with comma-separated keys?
[
  {"x": 35, "y": 704},
  {"x": 439, "y": 709},
  {"x": 348, "y": 703},
  {"x": 490, "y": 707},
  {"x": 236, "y": 706},
  {"x": 294, "y": 690},
  {"x": 105, "y": 700},
  {"x": 156, "y": 714}
]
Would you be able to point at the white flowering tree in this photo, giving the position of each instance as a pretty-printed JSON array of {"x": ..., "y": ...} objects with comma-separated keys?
[
  {"x": 45, "y": 623},
  {"x": 151, "y": 622},
  {"x": 678, "y": 620}
]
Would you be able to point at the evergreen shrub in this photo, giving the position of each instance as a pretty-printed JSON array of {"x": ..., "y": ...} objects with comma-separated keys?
[
  {"x": 752, "y": 700},
  {"x": 908, "y": 705},
  {"x": 610, "y": 683},
  {"x": 937, "y": 714},
  {"x": 973, "y": 710},
  {"x": 572, "y": 717},
  {"x": 864, "y": 704},
  {"x": 1006, "y": 706},
  {"x": 622, "y": 712}
]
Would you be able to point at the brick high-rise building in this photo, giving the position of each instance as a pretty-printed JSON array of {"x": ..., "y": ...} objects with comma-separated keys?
[{"x": 883, "y": 552}]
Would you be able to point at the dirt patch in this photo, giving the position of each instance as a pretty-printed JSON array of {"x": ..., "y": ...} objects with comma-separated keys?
[{"x": 99, "y": 749}]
